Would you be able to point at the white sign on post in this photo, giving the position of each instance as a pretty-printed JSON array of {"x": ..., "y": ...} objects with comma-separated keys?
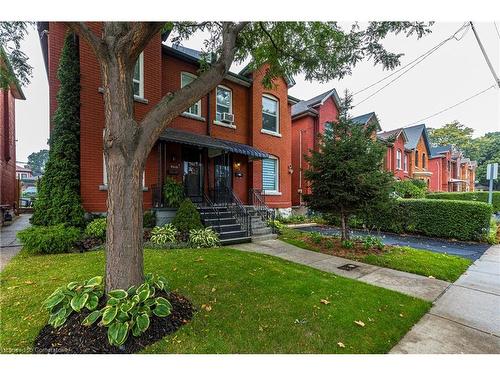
[{"x": 492, "y": 171}]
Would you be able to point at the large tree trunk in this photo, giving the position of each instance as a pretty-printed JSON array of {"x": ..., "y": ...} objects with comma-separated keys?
[
  {"x": 344, "y": 230},
  {"x": 125, "y": 160}
]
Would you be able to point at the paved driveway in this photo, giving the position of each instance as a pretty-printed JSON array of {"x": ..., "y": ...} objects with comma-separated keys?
[
  {"x": 9, "y": 244},
  {"x": 471, "y": 250}
]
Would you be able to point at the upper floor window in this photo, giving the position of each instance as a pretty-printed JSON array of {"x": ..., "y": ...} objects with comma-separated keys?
[
  {"x": 416, "y": 158},
  {"x": 423, "y": 160},
  {"x": 138, "y": 79},
  {"x": 270, "y": 114},
  {"x": 186, "y": 79},
  {"x": 224, "y": 103},
  {"x": 398, "y": 159},
  {"x": 270, "y": 175},
  {"x": 405, "y": 164}
]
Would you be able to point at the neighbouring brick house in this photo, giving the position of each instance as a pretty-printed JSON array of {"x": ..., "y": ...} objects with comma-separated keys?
[
  {"x": 419, "y": 149},
  {"x": 397, "y": 157},
  {"x": 237, "y": 137},
  {"x": 8, "y": 98}
]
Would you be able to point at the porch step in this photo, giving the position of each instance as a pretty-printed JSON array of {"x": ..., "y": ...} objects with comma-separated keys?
[
  {"x": 232, "y": 234},
  {"x": 232, "y": 241},
  {"x": 214, "y": 215},
  {"x": 264, "y": 237},
  {"x": 226, "y": 227},
  {"x": 212, "y": 222}
]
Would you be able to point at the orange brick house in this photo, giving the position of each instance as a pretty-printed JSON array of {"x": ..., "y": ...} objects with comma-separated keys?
[
  {"x": 419, "y": 151},
  {"x": 8, "y": 97},
  {"x": 238, "y": 137},
  {"x": 397, "y": 157}
]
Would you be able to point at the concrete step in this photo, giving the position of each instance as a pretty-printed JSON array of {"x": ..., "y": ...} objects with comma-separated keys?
[
  {"x": 232, "y": 241},
  {"x": 261, "y": 231},
  {"x": 232, "y": 234},
  {"x": 264, "y": 237}
]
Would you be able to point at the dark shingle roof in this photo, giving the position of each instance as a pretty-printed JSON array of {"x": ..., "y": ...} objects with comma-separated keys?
[
  {"x": 367, "y": 117},
  {"x": 390, "y": 135},
  {"x": 438, "y": 150},
  {"x": 307, "y": 105},
  {"x": 413, "y": 133}
]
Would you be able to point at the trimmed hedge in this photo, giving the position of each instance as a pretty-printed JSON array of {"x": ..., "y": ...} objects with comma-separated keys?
[
  {"x": 52, "y": 239},
  {"x": 479, "y": 196},
  {"x": 461, "y": 220}
]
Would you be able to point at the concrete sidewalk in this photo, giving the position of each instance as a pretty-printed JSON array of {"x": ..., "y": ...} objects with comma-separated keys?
[
  {"x": 408, "y": 283},
  {"x": 9, "y": 244},
  {"x": 466, "y": 318}
]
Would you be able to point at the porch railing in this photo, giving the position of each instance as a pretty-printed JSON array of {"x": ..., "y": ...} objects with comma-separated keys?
[
  {"x": 225, "y": 197},
  {"x": 261, "y": 208}
]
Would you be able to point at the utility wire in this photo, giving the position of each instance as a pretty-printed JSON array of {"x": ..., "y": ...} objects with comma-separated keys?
[
  {"x": 496, "y": 28},
  {"x": 486, "y": 58},
  {"x": 454, "y": 105},
  {"x": 421, "y": 57}
]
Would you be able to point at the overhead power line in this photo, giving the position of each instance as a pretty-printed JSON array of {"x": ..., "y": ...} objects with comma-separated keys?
[
  {"x": 496, "y": 28},
  {"x": 414, "y": 62},
  {"x": 454, "y": 105},
  {"x": 497, "y": 80}
]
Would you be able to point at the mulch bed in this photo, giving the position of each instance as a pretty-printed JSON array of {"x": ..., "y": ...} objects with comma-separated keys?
[{"x": 74, "y": 338}]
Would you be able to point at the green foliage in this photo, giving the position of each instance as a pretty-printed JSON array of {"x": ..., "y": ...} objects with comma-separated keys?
[
  {"x": 485, "y": 150},
  {"x": 461, "y": 220},
  {"x": 276, "y": 225},
  {"x": 493, "y": 236},
  {"x": 293, "y": 219},
  {"x": 130, "y": 311},
  {"x": 454, "y": 133},
  {"x": 74, "y": 296},
  {"x": 149, "y": 219},
  {"x": 370, "y": 242},
  {"x": 58, "y": 199},
  {"x": 477, "y": 196},
  {"x": 410, "y": 189},
  {"x": 205, "y": 237},
  {"x": 37, "y": 161},
  {"x": 187, "y": 217},
  {"x": 49, "y": 240},
  {"x": 347, "y": 244},
  {"x": 163, "y": 235},
  {"x": 316, "y": 237},
  {"x": 173, "y": 193},
  {"x": 346, "y": 174},
  {"x": 96, "y": 228}
]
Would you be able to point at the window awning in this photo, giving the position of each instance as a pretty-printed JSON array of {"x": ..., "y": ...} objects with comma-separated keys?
[{"x": 205, "y": 141}]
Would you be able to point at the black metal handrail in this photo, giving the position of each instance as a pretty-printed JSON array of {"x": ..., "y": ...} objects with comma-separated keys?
[
  {"x": 225, "y": 197},
  {"x": 259, "y": 205},
  {"x": 157, "y": 192},
  {"x": 213, "y": 208}
]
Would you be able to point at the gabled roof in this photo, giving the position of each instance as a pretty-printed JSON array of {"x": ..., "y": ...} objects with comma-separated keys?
[
  {"x": 247, "y": 70},
  {"x": 14, "y": 86},
  {"x": 392, "y": 135},
  {"x": 366, "y": 118},
  {"x": 414, "y": 133},
  {"x": 308, "y": 105},
  {"x": 440, "y": 150}
]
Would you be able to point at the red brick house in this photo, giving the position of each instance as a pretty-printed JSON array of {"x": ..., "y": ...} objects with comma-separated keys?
[
  {"x": 238, "y": 137},
  {"x": 397, "y": 157},
  {"x": 8, "y": 99},
  {"x": 453, "y": 171}
]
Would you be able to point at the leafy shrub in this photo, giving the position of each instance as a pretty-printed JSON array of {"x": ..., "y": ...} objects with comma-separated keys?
[
  {"x": 73, "y": 297},
  {"x": 173, "y": 192},
  {"x": 316, "y": 237},
  {"x": 276, "y": 225},
  {"x": 348, "y": 244},
  {"x": 410, "y": 188},
  {"x": 130, "y": 310},
  {"x": 49, "y": 240},
  {"x": 149, "y": 219},
  {"x": 293, "y": 219},
  {"x": 165, "y": 234},
  {"x": 478, "y": 196},
  {"x": 96, "y": 228},
  {"x": 205, "y": 237},
  {"x": 187, "y": 218},
  {"x": 461, "y": 220},
  {"x": 370, "y": 242}
]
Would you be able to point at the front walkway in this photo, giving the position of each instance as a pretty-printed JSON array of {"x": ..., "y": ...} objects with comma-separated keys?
[
  {"x": 466, "y": 318},
  {"x": 471, "y": 250},
  {"x": 408, "y": 283},
  {"x": 9, "y": 244}
]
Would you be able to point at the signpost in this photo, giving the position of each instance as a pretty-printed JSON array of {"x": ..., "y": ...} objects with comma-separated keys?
[{"x": 491, "y": 174}]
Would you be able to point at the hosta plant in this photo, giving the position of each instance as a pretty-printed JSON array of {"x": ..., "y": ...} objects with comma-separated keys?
[
  {"x": 73, "y": 297},
  {"x": 163, "y": 235},
  {"x": 276, "y": 225},
  {"x": 96, "y": 228},
  {"x": 129, "y": 311},
  {"x": 205, "y": 237}
]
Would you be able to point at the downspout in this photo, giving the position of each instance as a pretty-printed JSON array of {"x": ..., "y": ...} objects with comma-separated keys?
[
  {"x": 300, "y": 166},
  {"x": 208, "y": 114}
]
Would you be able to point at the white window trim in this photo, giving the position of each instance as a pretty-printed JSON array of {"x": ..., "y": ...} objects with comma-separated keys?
[
  {"x": 398, "y": 159},
  {"x": 277, "y": 178},
  {"x": 186, "y": 112},
  {"x": 230, "y": 105},
  {"x": 278, "y": 127},
  {"x": 141, "y": 77}
]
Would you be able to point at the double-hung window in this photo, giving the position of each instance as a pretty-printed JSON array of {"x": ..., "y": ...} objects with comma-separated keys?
[
  {"x": 224, "y": 102},
  {"x": 405, "y": 163},
  {"x": 398, "y": 159},
  {"x": 186, "y": 79},
  {"x": 270, "y": 175},
  {"x": 138, "y": 78},
  {"x": 270, "y": 114}
]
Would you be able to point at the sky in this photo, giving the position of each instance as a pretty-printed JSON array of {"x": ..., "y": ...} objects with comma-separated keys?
[{"x": 456, "y": 71}]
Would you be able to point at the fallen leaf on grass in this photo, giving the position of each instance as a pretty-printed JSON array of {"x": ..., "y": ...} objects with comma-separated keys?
[
  {"x": 206, "y": 307},
  {"x": 401, "y": 315},
  {"x": 175, "y": 269},
  {"x": 324, "y": 301},
  {"x": 359, "y": 323},
  {"x": 200, "y": 259},
  {"x": 213, "y": 290},
  {"x": 301, "y": 321},
  {"x": 29, "y": 282},
  {"x": 431, "y": 277},
  {"x": 341, "y": 344}
]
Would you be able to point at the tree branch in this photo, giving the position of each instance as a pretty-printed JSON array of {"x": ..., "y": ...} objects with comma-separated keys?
[
  {"x": 96, "y": 43},
  {"x": 138, "y": 37},
  {"x": 171, "y": 106}
]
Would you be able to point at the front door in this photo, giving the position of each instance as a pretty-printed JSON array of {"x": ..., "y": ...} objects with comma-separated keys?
[
  {"x": 193, "y": 175},
  {"x": 222, "y": 177}
]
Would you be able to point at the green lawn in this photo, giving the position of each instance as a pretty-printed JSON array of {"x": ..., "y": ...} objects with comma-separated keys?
[
  {"x": 260, "y": 304},
  {"x": 441, "y": 266}
]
